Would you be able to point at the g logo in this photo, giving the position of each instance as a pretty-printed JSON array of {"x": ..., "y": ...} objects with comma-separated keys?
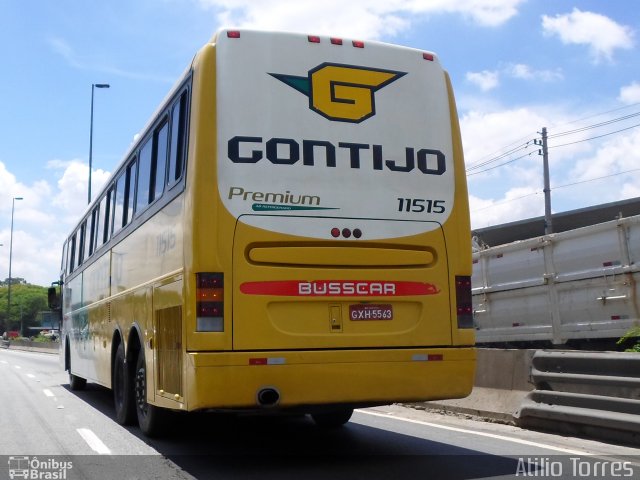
[{"x": 343, "y": 93}]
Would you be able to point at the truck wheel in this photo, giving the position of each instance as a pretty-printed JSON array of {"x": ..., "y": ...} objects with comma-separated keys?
[
  {"x": 332, "y": 419},
  {"x": 152, "y": 419},
  {"x": 122, "y": 389}
]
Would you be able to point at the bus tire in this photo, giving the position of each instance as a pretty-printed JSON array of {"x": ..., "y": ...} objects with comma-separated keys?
[
  {"x": 333, "y": 419},
  {"x": 152, "y": 419},
  {"x": 122, "y": 389},
  {"x": 75, "y": 383}
]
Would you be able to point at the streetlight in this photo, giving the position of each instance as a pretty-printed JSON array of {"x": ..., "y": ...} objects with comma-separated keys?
[
  {"x": 93, "y": 86},
  {"x": 13, "y": 206}
]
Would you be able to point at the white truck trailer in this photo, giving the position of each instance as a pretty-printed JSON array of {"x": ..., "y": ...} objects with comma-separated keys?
[{"x": 575, "y": 285}]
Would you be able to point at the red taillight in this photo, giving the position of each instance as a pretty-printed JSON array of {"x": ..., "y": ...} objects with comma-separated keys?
[
  {"x": 464, "y": 303},
  {"x": 313, "y": 39},
  {"x": 209, "y": 302},
  {"x": 233, "y": 34},
  {"x": 335, "y": 232},
  {"x": 209, "y": 280}
]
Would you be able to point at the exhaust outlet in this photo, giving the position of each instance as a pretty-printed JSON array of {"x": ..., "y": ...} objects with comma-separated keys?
[{"x": 268, "y": 397}]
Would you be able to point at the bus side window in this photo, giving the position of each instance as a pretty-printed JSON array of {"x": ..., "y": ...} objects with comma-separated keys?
[
  {"x": 130, "y": 195},
  {"x": 118, "y": 214},
  {"x": 63, "y": 265},
  {"x": 72, "y": 253},
  {"x": 108, "y": 214},
  {"x": 178, "y": 136},
  {"x": 159, "y": 172},
  {"x": 100, "y": 223},
  {"x": 82, "y": 242},
  {"x": 144, "y": 176},
  {"x": 95, "y": 221}
]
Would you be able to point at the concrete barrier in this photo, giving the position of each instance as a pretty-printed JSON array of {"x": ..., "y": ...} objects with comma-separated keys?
[
  {"x": 501, "y": 383},
  {"x": 595, "y": 394},
  {"x": 28, "y": 345}
]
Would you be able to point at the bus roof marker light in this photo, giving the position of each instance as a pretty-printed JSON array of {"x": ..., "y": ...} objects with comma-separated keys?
[
  {"x": 335, "y": 232},
  {"x": 358, "y": 44},
  {"x": 428, "y": 56},
  {"x": 313, "y": 39},
  {"x": 233, "y": 34},
  {"x": 336, "y": 41}
]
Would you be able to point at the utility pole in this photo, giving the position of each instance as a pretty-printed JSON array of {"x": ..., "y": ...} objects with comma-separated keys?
[{"x": 548, "y": 226}]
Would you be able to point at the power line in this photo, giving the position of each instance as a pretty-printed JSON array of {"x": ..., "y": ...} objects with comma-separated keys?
[
  {"x": 524, "y": 146},
  {"x": 608, "y": 122},
  {"x": 599, "y": 136},
  {"x": 501, "y": 164},
  {"x": 557, "y": 187}
]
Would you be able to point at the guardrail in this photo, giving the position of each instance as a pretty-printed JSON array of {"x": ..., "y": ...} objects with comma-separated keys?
[{"x": 596, "y": 394}]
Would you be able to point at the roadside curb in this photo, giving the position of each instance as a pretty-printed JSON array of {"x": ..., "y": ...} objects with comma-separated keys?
[{"x": 490, "y": 404}]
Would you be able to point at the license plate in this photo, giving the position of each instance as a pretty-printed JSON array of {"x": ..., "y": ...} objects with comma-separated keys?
[{"x": 368, "y": 311}]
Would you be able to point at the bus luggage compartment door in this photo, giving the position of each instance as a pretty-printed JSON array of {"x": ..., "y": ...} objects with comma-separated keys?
[{"x": 299, "y": 293}]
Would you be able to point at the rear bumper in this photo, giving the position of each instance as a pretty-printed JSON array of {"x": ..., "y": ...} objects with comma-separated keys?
[{"x": 307, "y": 378}]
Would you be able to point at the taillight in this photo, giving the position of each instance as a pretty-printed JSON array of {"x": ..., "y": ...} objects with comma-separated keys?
[
  {"x": 464, "y": 303},
  {"x": 209, "y": 302}
]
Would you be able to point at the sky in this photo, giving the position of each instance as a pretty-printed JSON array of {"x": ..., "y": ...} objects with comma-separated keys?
[{"x": 516, "y": 66}]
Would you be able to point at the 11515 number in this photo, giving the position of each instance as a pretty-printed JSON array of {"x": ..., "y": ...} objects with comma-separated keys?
[{"x": 419, "y": 205}]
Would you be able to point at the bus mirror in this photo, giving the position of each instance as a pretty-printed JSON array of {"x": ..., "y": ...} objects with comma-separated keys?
[{"x": 54, "y": 298}]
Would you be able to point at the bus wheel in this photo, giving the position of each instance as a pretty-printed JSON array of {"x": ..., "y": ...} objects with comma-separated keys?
[
  {"x": 122, "y": 389},
  {"x": 75, "y": 383},
  {"x": 150, "y": 418},
  {"x": 332, "y": 419}
]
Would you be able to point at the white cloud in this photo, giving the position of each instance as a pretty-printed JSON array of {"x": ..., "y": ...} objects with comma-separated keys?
[
  {"x": 71, "y": 194},
  {"x": 486, "y": 80},
  {"x": 43, "y": 218},
  {"x": 617, "y": 155},
  {"x": 600, "y": 33},
  {"x": 630, "y": 93},
  {"x": 483, "y": 133},
  {"x": 525, "y": 72},
  {"x": 489, "y": 79},
  {"x": 371, "y": 19},
  {"x": 88, "y": 62},
  {"x": 516, "y": 204}
]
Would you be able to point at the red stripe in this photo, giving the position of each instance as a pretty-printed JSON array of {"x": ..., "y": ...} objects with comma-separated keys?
[{"x": 338, "y": 288}]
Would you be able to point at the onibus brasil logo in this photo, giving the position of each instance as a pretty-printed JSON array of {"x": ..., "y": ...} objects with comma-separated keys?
[{"x": 343, "y": 93}]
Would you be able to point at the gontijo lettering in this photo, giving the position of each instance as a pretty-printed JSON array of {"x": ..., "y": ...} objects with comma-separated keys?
[{"x": 286, "y": 151}]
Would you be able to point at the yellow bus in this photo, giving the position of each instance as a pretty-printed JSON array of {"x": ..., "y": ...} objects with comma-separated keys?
[{"x": 289, "y": 234}]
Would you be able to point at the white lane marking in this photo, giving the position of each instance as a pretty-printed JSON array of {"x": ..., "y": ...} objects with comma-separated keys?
[
  {"x": 482, "y": 434},
  {"x": 93, "y": 441},
  {"x": 48, "y": 392}
]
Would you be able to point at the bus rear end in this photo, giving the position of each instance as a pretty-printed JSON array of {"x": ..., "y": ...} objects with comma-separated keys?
[{"x": 330, "y": 226}]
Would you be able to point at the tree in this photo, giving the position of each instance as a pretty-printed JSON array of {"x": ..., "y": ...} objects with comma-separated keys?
[{"x": 26, "y": 302}]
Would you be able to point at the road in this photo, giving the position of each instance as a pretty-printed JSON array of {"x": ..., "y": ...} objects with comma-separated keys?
[{"x": 74, "y": 433}]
